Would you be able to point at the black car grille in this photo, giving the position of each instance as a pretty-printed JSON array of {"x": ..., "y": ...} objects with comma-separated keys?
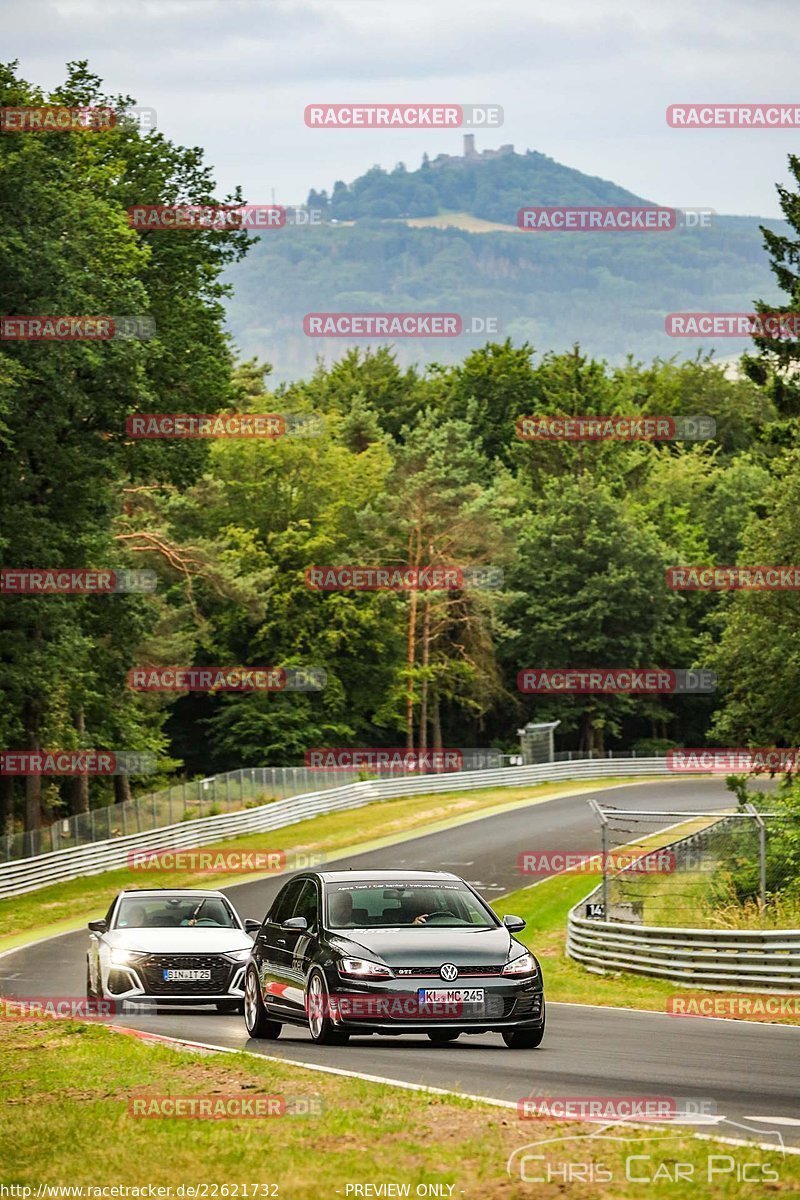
[
  {"x": 433, "y": 972},
  {"x": 152, "y": 970}
]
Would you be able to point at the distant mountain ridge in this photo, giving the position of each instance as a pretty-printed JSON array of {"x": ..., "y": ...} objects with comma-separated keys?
[
  {"x": 491, "y": 184},
  {"x": 444, "y": 238}
]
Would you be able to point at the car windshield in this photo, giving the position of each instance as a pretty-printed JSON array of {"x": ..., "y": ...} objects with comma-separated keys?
[
  {"x": 360, "y": 905},
  {"x": 174, "y": 912}
]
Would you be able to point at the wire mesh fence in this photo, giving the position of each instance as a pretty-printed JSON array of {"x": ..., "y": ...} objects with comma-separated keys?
[
  {"x": 231, "y": 791},
  {"x": 715, "y": 871}
]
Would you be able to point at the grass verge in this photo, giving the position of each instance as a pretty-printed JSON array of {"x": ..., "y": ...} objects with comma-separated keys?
[
  {"x": 545, "y": 907},
  {"x": 67, "y": 1121},
  {"x": 65, "y": 906}
]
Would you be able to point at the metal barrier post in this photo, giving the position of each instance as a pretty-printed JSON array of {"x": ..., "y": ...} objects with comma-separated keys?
[
  {"x": 604, "y": 849},
  {"x": 762, "y": 856}
]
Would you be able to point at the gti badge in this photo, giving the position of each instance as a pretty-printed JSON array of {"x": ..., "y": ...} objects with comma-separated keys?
[{"x": 448, "y": 972}]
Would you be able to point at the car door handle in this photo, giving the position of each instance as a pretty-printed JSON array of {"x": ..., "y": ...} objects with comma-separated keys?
[{"x": 280, "y": 941}]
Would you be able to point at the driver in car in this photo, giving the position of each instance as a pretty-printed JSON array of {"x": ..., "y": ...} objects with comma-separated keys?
[{"x": 416, "y": 908}]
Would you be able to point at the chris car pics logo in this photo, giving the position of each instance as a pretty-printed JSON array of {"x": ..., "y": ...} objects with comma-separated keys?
[{"x": 601, "y": 1157}]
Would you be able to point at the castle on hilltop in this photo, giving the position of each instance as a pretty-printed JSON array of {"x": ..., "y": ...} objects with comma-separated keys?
[{"x": 471, "y": 154}]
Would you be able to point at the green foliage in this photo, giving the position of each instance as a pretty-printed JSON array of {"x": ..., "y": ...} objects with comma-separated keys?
[
  {"x": 492, "y": 188},
  {"x": 67, "y": 466},
  {"x": 609, "y": 292},
  {"x": 386, "y": 462}
]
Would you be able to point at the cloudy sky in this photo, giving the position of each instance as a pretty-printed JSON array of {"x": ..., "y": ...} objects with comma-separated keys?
[{"x": 585, "y": 81}]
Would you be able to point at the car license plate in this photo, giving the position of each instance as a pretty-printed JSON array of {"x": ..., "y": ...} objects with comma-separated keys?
[
  {"x": 451, "y": 995},
  {"x": 183, "y": 975}
]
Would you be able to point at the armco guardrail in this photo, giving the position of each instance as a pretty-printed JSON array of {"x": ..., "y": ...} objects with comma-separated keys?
[
  {"x": 26, "y": 875},
  {"x": 741, "y": 960},
  {"x": 231, "y": 791}
]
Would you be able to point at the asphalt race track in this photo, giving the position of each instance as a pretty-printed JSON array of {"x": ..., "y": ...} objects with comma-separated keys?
[{"x": 746, "y": 1073}]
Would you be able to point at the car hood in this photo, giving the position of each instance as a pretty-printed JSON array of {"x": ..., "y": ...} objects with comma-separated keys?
[
  {"x": 179, "y": 941},
  {"x": 421, "y": 947}
]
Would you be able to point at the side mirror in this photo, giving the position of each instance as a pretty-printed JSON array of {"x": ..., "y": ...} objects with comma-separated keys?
[
  {"x": 251, "y": 926},
  {"x": 99, "y": 926},
  {"x": 514, "y": 924},
  {"x": 295, "y": 923}
]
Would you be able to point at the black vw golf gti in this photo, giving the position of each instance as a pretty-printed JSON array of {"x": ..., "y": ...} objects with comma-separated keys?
[{"x": 390, "y": 952}]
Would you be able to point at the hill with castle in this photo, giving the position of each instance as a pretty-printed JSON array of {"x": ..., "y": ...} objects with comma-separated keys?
[
  {"x": 443, "y": 238},
  {"x": 490, "y": 184}
]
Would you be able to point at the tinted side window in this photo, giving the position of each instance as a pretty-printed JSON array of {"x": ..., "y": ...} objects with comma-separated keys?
[
  {"x": 285, "y": 901},
  {"x": 308, "y": 905}
]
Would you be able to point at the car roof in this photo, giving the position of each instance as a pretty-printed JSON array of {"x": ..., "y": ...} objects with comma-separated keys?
[
  {"x": 390, "y": 876},
  {"x": 170, "y": 892}
]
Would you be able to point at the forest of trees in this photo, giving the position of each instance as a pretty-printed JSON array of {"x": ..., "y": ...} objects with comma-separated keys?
[
  {"x": 610, "y": 292},
  {"x": 411, "y": 466}
]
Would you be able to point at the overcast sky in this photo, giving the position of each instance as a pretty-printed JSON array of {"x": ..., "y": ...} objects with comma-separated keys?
[{"x": 585, "y": 81}]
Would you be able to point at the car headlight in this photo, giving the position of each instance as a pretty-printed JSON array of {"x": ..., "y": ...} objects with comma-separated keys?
[
  {"x": 239, "y": 955},
  {"x": 523, "y": 964},
  {"x": 126, "y": 958},
  {"x": 362, "y": 968}
]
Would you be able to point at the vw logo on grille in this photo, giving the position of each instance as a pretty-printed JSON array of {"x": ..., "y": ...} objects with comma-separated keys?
[{"x": 448, "y": 972}]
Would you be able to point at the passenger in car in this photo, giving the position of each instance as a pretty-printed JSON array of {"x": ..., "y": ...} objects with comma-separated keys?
[{"x": 341, "y": 909}]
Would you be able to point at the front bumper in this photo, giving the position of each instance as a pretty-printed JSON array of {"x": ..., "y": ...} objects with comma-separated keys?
[
  {"x": 393, "y": 1005},
  {"x": 144, "y": 981}
]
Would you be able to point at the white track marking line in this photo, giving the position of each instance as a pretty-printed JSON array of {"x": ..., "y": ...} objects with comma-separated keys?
[
  {"x": 775, "y": 1120},
  {"x": 400, "y": 1083},
  {"x": 654, "y": 1012},
  {"x": 718, "y": 1137}
]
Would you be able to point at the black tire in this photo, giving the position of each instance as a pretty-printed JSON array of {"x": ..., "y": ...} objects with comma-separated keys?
[
  {"x": 320, "y": 1026},
  {"x": 441, "y": 1037},
  {"x": 523, "y": 1039},
  {"x": 90, "y": 992},
  {"x": 230, "y": 1006},
  {"x": 258, "y": 1023}
]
